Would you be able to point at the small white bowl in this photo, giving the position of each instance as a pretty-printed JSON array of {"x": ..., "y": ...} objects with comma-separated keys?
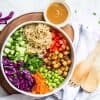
[{"x": 67, "y": 18}]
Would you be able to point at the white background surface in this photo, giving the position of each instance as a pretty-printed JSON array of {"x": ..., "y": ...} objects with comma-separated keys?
[{"x": 84, "y": 9}]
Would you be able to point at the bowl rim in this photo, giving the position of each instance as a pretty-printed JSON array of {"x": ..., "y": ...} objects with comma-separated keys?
[
  {"x": 66, "y": 6},
  {"x": 66, "y": 80}
]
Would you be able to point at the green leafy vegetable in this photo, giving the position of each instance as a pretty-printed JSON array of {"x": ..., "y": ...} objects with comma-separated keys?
[{"x": 34, "y": 63}]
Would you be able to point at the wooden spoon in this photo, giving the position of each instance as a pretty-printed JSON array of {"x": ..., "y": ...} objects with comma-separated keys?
[
  {"x": 91, "y": 82},
  {"x": 86, "y": 74}
]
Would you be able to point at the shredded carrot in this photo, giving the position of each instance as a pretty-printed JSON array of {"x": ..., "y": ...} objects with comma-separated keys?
[{"x": 41, "y": 87}]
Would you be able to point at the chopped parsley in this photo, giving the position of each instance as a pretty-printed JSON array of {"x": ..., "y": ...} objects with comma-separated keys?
[
  {"x": 94, "y": 13},
  {"x": 99, "y": 22}
]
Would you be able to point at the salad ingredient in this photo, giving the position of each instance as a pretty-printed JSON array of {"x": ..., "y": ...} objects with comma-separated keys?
[
  {"x": 38, "y": 37},
  {"x": 59, "y": 54},
  {"x": 41, "y": 86},
  {"x": 53, "y": 79},
  {"x": 34, "y": 63},
  {"x": 3, "y": 22},
  {"x": 58, "y": 60},
  {"x": 18, "y": 75},
  {"x": 0, "y": 14},
  {"x": 16, "y": 46},
  {"x": 58, "y": 41}
]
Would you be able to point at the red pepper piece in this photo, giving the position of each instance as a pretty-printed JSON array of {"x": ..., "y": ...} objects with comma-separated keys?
[{"x": 53, "y": 35}]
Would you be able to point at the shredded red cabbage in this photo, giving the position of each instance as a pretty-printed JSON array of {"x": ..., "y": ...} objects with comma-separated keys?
[
  {"x": 3, "y": 20},
  {"x": 0, "y": 14},
  {"x": 18, "y": 75}
]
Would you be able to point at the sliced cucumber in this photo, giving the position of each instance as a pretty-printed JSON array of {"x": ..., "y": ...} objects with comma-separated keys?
[{"x": 7, "y": 50}]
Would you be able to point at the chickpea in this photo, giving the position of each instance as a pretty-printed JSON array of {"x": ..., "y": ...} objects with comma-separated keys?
[
  {"x": 68, "y": 48},
  {"x": 66, "y": 53},
  {"x": 59, "y": 63},
  {"x": 63, "y": 68},
  {"x": 45, "y": 60},
  {"x": 49, "y": 63},
  {"x": 60, "y": 55},
  {"x": 53, "y": 62},
  {"x": 66, "y": 57},
  {"x": 50, "y": 55},
  {"x": 69, "y": 62},
  {"x": 49, "y": 67},
  {"x": 60, "y": 72},
  {"x": 56, "y": 65},
  {"x": 61, "y": 60},
  {"x": 54, "y": 57},
  {"x": 64, "y": 63},
  {"x": 66, "y": 69},
  {"x": 65, "y": 74},
  {"x": 56, "y": 52}
]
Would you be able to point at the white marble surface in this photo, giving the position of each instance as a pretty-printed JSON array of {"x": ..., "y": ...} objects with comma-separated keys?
[
  {"x": 84, "y": 10},
  {"x": 81, "y": 10}
]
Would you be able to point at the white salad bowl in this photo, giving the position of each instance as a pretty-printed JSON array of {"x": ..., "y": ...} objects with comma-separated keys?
[{"x": 70, "y": 69}]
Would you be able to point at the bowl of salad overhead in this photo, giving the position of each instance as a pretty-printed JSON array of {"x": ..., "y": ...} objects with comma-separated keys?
[{"x": 37, "y": 59}]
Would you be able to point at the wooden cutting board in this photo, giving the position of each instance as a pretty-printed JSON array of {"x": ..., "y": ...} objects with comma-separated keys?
[{"x": 38, "y": 16}]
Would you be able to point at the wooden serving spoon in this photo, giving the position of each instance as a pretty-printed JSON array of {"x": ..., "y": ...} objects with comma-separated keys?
[
  {"x": 90, "y": 82},
  {"x": 86, "y": 74}
]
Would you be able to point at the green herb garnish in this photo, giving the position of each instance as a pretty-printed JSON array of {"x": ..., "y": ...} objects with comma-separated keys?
[
  {"x": 98, "y": 22},
  {"x": 94, "y": 13},
  {"x": 34, "y": 63}
]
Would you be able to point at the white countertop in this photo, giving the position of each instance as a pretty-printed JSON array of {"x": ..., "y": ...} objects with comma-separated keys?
[
  {"x": 86, "y": 12},
  {"x": 81, "y": 10}
]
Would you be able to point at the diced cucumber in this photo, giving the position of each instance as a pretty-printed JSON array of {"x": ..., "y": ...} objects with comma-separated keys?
[
  {"x": 21, "y": 58},
  {"x": 25, "y": 58},
  {"x": 19, "y": 39},
  {"x": 12, "y": 52},
  {"x": 8, "y": 44},
  {"x": 13, "y": 48},
  {"x": 21, "y": 29},
  {"x": 21, "y": 49},
  {"x": 16, "y": 45},
  {"x": 7, "y": 50},
  {"x": 31, "y": 68},
  {"x": 17, "y": 53},
  {"x": 16, "y": 33},
  {"x": 11, "y": 57},
  {"x": 22, "y": 43},
  {"x": 10, "y": 40}
]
